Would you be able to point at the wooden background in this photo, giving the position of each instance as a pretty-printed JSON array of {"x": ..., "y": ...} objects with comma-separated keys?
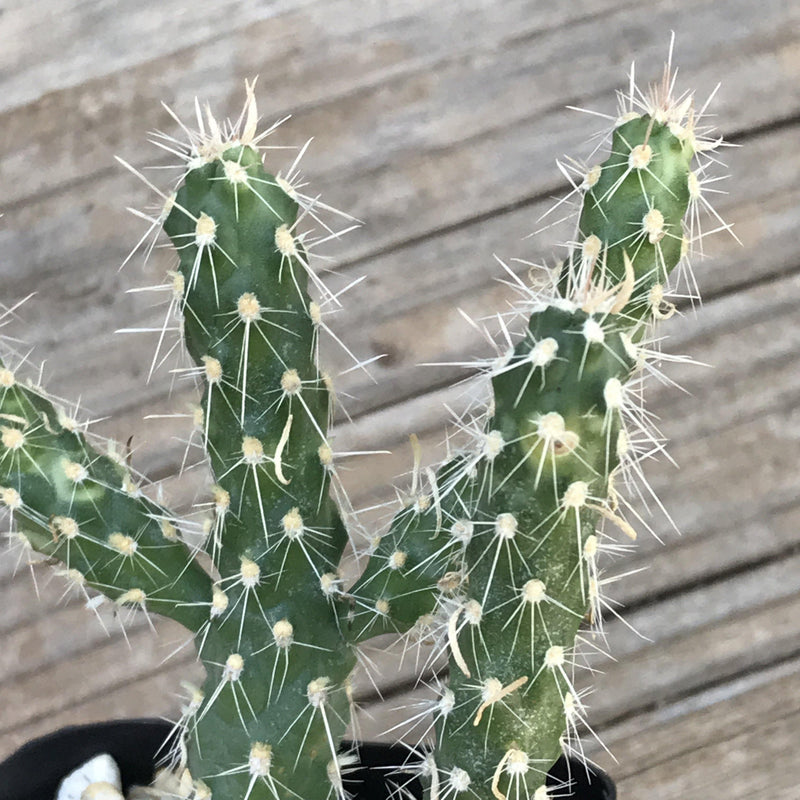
[{"x": 437, "y": 123}]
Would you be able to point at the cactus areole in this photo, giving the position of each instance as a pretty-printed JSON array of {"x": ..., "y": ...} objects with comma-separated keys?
[{"x": 495, "y": 558}]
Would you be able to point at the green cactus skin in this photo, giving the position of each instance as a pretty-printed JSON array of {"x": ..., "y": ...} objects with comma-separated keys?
[
  {"x": 531, "y": 572},
  {"x": 275, "y": 703},
  {"x": 493, "y": 557},
  {"x": 87, "y": 510},
  {"x": 250, "y": 326},
  {"x": 498, "y": 562}
]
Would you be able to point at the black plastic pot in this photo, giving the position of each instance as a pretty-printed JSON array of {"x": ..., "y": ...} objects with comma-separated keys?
[{"x": 36, "y": 769}]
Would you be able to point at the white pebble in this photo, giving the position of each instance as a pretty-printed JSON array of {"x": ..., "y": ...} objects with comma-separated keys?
[{"x": 100, "y": 776}]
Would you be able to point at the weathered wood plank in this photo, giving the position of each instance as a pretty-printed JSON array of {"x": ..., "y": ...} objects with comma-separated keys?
[
  {"x": 44, "y": 47},
  {"x": 714, "y": 714},
  {"x": 20, "y": 602},
  {"x": 731, "y": 647},
  {"x": 343, "y": 53},
  {"x": 761, "y": 762},
  {"x": 707, "y": 552},
  {"x": 740, "y": 748},
  {"x": 151, "y": 695},
  {"x": 39, "y": 693},
  {"x": 57, "y": 634},
  {"x": 282, "y": 29}
]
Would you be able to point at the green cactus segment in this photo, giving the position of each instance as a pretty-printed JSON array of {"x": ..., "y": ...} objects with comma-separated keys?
[
  {"x": 634, "y": 207},
  {"x": 508, "y": 598},
  {"x": 646, "y": 183},
  {"x": 276, "y": 662},
  {"x": 531, "y": 577},
  {"x": 412, "y": 567},
  {"x": 86, "y": 510},
  {"x": 249, "y": 328},
  {"x": 530, "y": 569}
]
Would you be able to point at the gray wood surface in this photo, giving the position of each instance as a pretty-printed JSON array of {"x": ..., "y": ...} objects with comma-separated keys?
[{"x": 438, "y": 124}]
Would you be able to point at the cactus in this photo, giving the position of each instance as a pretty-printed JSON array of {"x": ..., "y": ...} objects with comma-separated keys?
[
  {"x": 499, "y": 560},
  {"x": 494, "y": 557}
]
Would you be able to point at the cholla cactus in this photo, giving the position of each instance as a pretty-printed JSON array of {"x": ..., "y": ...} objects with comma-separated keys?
[
  {"x": 497, "y": 558},
  {"x": 494, "y": 557}
]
